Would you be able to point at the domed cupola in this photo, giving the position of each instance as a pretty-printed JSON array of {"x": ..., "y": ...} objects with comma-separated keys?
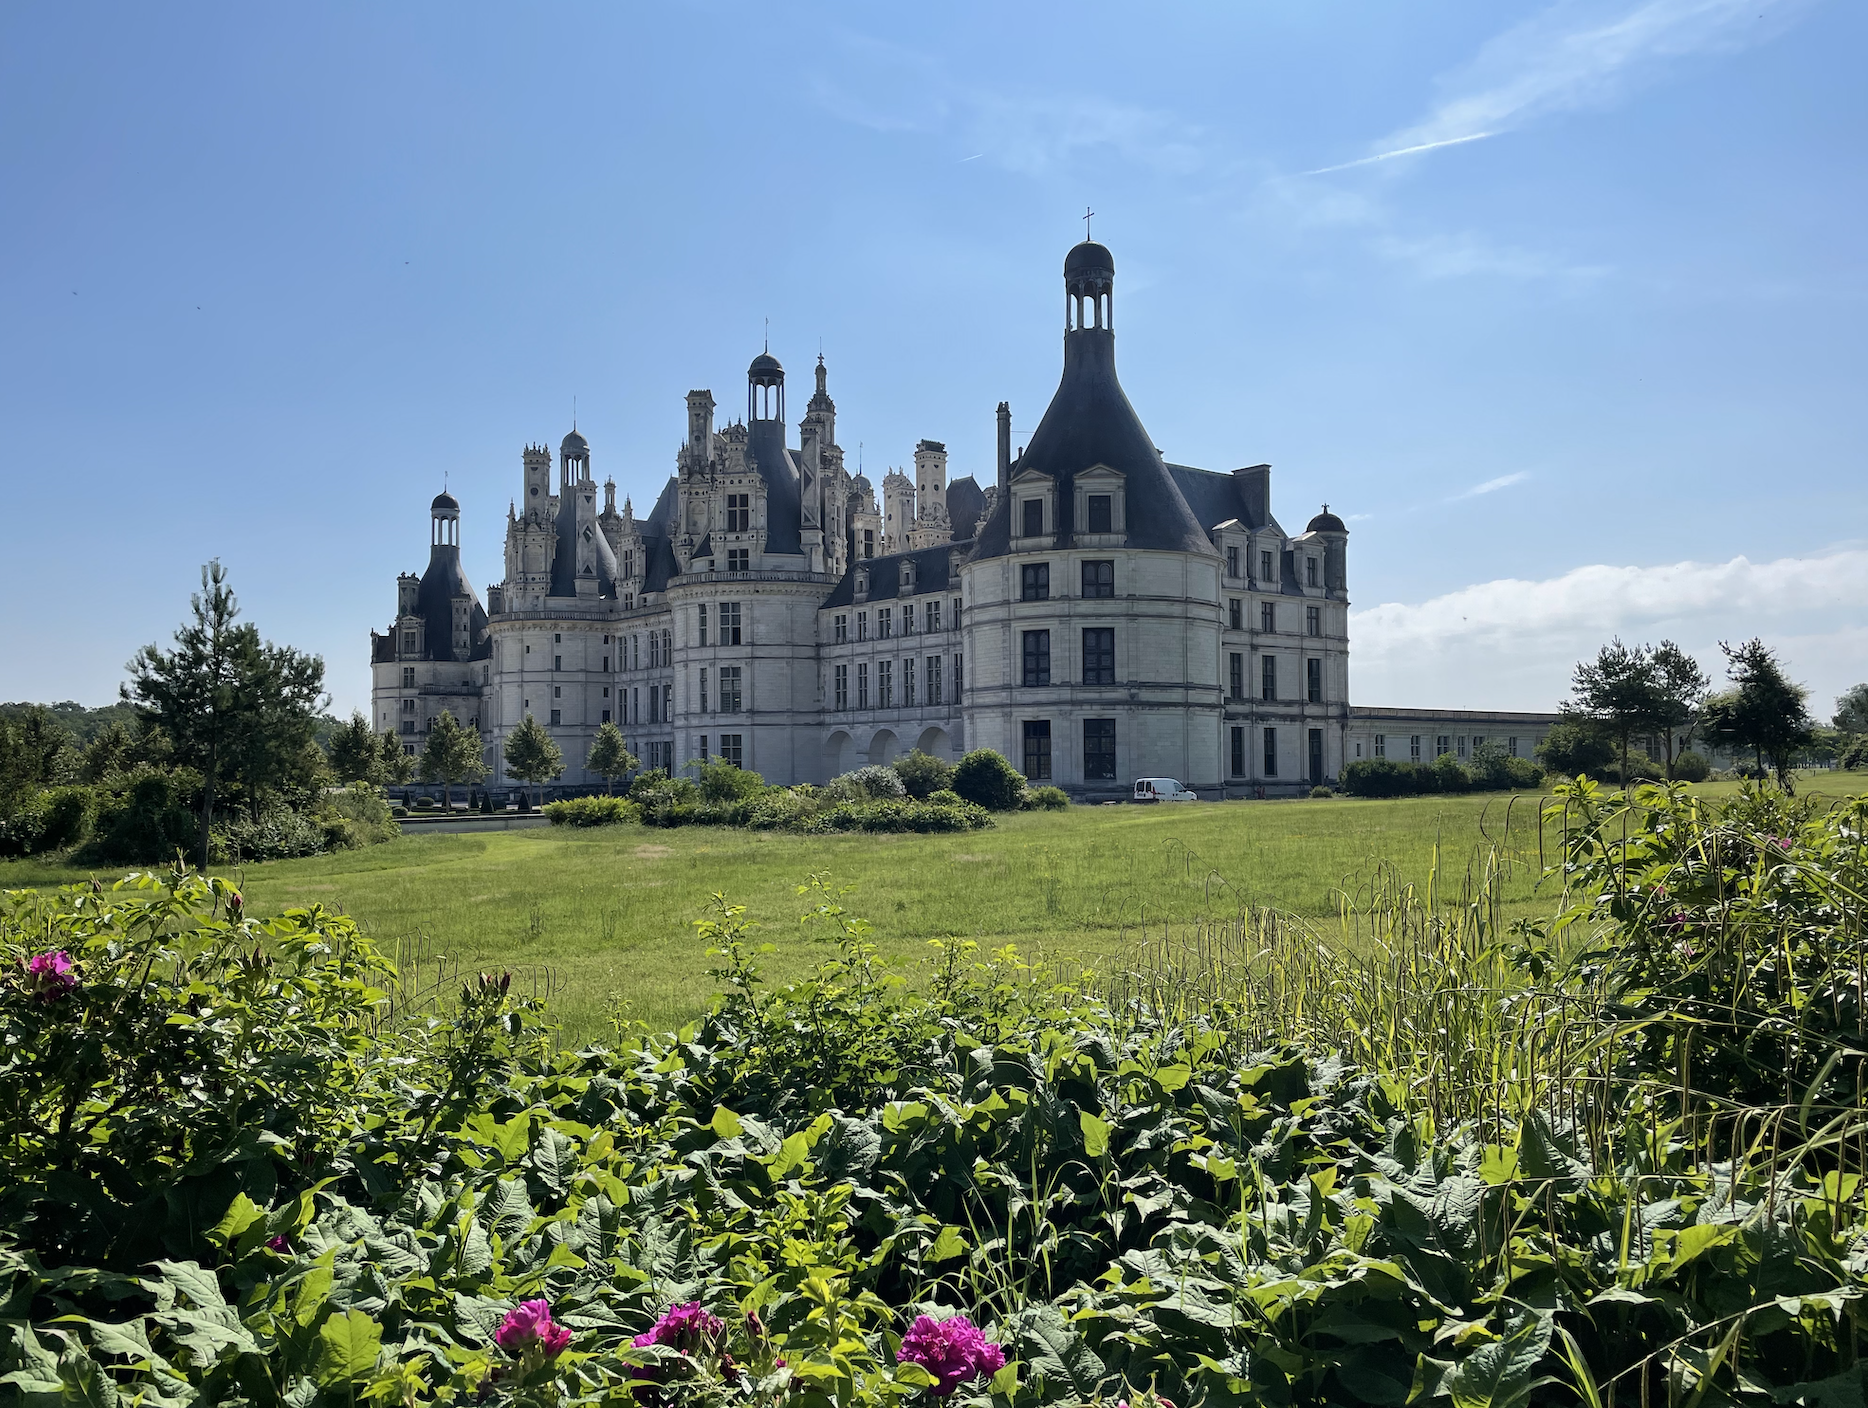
[
  {"x": 1326, "y": 522},
  {"x": 1089, "y": 287}
]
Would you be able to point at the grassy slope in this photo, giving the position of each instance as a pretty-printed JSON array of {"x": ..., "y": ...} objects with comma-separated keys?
[{"x": 611, "y": 911}]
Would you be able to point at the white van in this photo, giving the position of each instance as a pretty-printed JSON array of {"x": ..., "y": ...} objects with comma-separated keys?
[{"x": 1163, "y": 789}]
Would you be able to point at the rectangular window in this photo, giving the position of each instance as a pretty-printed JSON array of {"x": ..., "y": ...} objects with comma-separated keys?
[
  {"x": 1033, "y": 525},
  {"x": 1099, "y": 655},
  {"x": 933, "y": 612},
  {"x": 869, "y": 543},
  {"x": 885, "y": 623},
  {"x": 408, "y": 641},
  {"x": 606, "y": 664},
  {"x": 1099, "y": 515},
  {"x": 668, "y": 705},
  {"x": 729, "y": 623},
  {"x": 1099, "y": 750},
  {"x": 862, "y": 625},
  {"x": 1267, "y": 618},
  {"x": 655, "y": 653},
  {"x": 1232, "y": 562},
  {"x": 885, "y": 684},
  {"x": 840, "y": 628},
  {"x": 954, "y": 624},
  {"x": 1235, "y": 676},
  {"x": 1511, "y": 746},
  {"x": 408, "y": 706},
  {"x": 1034, "y": 581},
  {"x": 1460, "y": 745},
  {"x": 655, "y": 705},
  {"x": 956, "y": 679},
  {"x": 1413, "y": 748},
  {"x": 1316, "y": 757},
  {"x": 556, "y": 716},
  {"x": 701, "y": 616},
  {"x": 408, "y": 725},
  {"x": 934, "y": 682},
  {"x": 1313, "y": 620},
  {"x": 842, "y": 677},
  {"x": 1266, "y": 571},
  {"x": 1037, "y": 658},
  {"x": 739, "y": 559},
  {"x": 1268, "y": 678},
  {"x": 635, "y": 705},
  {"x": 908, "y": 619},
  {"x": 862, "y": 685},
  {"x": 730, "y": 689},
  {"x": 606, "y": 716},
  {"x": 1310, "y": 572},
  {"x": 1271, "y": 752},
  {"x": 1381, "y": 745},
  {"x": 908, "y": 682},
  {"x": 702, "y": 743},
  {"x": 739, "y": 513},
  {"x": 408, "y": 677},
  {"x": 557, "y": 662},
  {"x": 1313, "y": 680},
  {"x": 1099, "y": 579},
  {"x": 1478, "y": 742},
  {"x": 1235, "y": 614},
  {"x": 701, "y": 706},
  {"x": 668, "y": 652},
  {"x": 1442, "y": 744},
  {"x": 1038, "y": 750},
  {"x": 730, "y": 749},
  {"x": 1238, "y": 752}
]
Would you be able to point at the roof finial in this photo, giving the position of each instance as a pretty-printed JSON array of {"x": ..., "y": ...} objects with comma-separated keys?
[
  {"x": 768, "y": 334},
  {"x": 574, "y": 413},
  {"x": 1087, "y": 213},
  {"x": 1326, "y": 508}
]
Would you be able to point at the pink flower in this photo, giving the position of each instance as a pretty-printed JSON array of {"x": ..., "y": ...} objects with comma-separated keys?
[
  {"x": 1783, "y": 843},
  {"x": 684, "y": 1327},
  {"x": 51, "y": 975},
  {"x": 281, "y": 1243},
  {"x": 952, "y": 1350},
  {"x": 529, "y": 1326}
]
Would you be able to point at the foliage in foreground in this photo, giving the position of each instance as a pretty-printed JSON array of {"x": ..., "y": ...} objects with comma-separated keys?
[
  {"x": 871, "y": 799},
  {"x": 242, "y": 1166}
]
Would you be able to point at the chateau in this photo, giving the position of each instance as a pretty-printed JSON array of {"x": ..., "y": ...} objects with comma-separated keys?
[{"x": 1096, "y": 613}]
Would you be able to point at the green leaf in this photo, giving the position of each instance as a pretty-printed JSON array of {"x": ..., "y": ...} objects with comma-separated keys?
[
  {"x": 1095, "y": 1134},
  {"x": 1692, "y": 1242},
  {"x": 1006, "y": 1380},
  {"x": 347, "y": 1348},
  {"x": 85, "y": 1382},
  {"x": 241, "y": 1214},
  {"x": 1173, "y": 1077},
  {"x": 790, "y": 1156},
  {"x": 725, "y": 1123},
  {"x": 910, "y": 1373},
  {"x": 1053, "y": 1351},
  {"x": 1502, "y": 1374},
  {"x": 947, "y": 1245}
]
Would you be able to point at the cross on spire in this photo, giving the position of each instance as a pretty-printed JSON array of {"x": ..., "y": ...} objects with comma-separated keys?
[{"x": 1087, "y": 213}]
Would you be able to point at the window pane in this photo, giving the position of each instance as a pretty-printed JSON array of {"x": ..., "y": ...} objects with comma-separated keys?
[
  {"x": 1099, "y": 750},
  {"x": 1099, "y": 655},
  {"x": 1037, "y": 658},
  {"x": 1034, "y": 518},
  {"x": 1271, "y": 752},
  {"x": 1099, "y": 579},
  {"x": 1038, "y": 750},
  {"x": 1099, "y": 514},
  {"x": 1035, "y": 581}
]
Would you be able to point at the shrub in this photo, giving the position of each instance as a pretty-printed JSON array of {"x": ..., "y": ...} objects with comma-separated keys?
[
  {"x": 355, "y": 817},
  {"x": 946, "y": 797},
  {"x": 1693, "y": 767},
  {"x": 987, "y": 780},
  {"x": 1449, "y": 774},
  {"x": 719, "y": 781},
  {"x": 898, "y": 814},
  {"x": 1381, "y": 777},
  {"x": 592, "y": 811},
  {"x": 867, "y": 784},
  {"x": 1321, "y": 794},
  {"x": 277, "y": 833},
  {"x": 923, "y": 774},
  {"x": 1641, "y": 768},
  {"x": 1576, "y": 747},
  {"x": 1049, "y": 799},
  {"x": 148, "y": 815}
]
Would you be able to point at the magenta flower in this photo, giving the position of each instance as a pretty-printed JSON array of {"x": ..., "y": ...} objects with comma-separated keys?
[
  {"x": 687, "y": 1328},
  {"x": 280, "y": 1243},
  {"x": 952, "y": 1350},
  {"x": 527, "y": 1327},
  {"x": 51, "y": 975}
]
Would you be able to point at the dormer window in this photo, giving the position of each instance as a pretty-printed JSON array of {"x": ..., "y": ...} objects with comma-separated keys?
[
  {"x": 739, "y": 513},
  {"x": 1097, "y": 515},
  {"x": 908, "y": 575},
  {"x": 1032, "y": 518},
  {"x": 1310, "y": 572}
]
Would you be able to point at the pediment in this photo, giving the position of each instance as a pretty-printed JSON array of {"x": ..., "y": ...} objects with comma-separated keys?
[{"x": 1100, "y": 474}]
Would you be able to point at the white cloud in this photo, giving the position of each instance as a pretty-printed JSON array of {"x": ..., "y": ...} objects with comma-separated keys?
[
  {"x": 1492, "y": 486},
  {"x": 1399, "y": 151},
  {"x": 1512, "y": 643},
  {"x": 1580, "y": 55}
]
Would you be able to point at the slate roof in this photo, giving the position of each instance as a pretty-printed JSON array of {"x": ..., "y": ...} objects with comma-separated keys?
[
  {"x": 966, "y": 501},
  {"x": 444, "y": 580},
  {"x": 885, "y": 575}
]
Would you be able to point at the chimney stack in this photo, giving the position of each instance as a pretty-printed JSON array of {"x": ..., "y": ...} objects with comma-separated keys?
[{"x": 1005, "y": 443}]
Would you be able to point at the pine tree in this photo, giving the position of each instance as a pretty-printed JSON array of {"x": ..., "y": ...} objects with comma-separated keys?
[
  {"x": 453, "y": 754},
  {"x": 1765, "y": 712},
  {"x": 1620, "y": 689},
  {"x": 397, "y": 767},
  {"x": 355, "y": 754},
  {"x": 531, "y": 754},
  {"x": 233, "y": 707},
  {"x": 1681, "y": 694},
  {"x": 610, "y": 757}
]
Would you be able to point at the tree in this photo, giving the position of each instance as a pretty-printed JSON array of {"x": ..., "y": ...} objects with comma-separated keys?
[
  {"x": 986, "y": 778},
  {"x": 1575, "y": 746},
  {"x": 452, "y": 754},
  {"x": 610, "y": 757},
  {"x": 1852, "y": 709},
  {"x": 36, "y": 751},
  {"x": 397, "y": 766},
  {"x": 923, "y": 774},
  {"x": 1680, "y": 693},
  {"x": 111, "y": 750},
  {"x": 356, "y": 756},
  {"x": 531, "y": 755},
  {"x": 1621, "y": 690},
  {"x": 1764, "y": 712},
  {"x": 232, "y": 706}
]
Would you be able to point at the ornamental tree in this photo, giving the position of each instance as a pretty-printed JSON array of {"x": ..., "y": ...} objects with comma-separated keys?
[
  {"x": 531, "y": 753},
  {"x": 610, "y": 757},
  {"x": 452, "y": 754}
]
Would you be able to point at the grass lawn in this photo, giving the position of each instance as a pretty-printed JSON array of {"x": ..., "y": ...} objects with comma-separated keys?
[{"x": 609, "y": 912}]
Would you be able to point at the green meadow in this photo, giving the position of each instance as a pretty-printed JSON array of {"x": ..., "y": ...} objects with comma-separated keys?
[{"x": 602, "y": 920}]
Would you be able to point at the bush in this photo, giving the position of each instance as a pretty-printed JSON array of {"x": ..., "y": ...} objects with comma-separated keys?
[
  {"x": 1855, "y": 752},
  {"x": 1382, "y": 777},
  {"x": 1641, "y": 768},
  {"x": 1449, "y": 774},
  {"x": 1692, "y": 767},
  {"x": 987, "y": 780},
  {"x": 148, "y": 815},
  {"x": 899, "y": 814},
  {"x": 356, "y": 817},
  {"x": 1048, "y": 799},
  {"x": 1576, "y": 747},
  {"x": 867, "y": 784},
  {"x": 923, "y": 774},
  {"x": 592, "y": 811},
  {"x": 277, "y": 833},
  {"x": 946, "y": 797},
  {"x": 1321, "y": 794},
  {"x": 718, "y": 781}
]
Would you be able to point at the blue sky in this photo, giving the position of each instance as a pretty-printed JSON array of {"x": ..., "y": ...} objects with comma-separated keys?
[{"x": 1562, "y": 307}]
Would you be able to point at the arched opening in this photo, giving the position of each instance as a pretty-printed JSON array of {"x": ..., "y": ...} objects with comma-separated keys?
[
  {"x": 884, "y": 748},
  {"x": 837, "y": 754},
  {"x": 936, "y": 743}
]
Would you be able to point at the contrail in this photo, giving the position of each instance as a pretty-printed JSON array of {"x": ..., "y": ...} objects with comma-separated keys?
[{"x": 1400, "y": 151}]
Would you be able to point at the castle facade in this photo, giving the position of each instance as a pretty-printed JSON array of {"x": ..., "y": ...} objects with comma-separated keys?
[{"x": 1095, "y": 613}]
